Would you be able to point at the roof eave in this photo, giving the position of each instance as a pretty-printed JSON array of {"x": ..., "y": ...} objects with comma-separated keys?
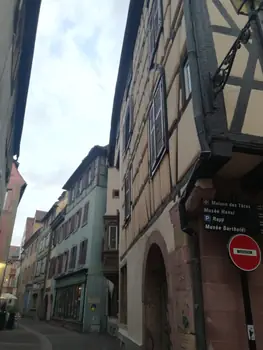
[{"x": 32, "y": 14}]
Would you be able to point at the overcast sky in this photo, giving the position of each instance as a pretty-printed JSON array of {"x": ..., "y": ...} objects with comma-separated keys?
[{"x": 70, "y": 97}]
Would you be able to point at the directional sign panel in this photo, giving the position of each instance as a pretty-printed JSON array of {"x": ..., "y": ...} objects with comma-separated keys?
[{"x": 244, "y": 252}]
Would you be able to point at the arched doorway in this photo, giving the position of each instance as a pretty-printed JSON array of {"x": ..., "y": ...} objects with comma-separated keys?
[{"x": 156, "y": 318}]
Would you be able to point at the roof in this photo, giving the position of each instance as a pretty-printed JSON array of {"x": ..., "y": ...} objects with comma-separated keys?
[
  {"x": 32, "y": 8},
  {"x": 130, "y": 35},
  {"x": 40, "y": 214},
  {"x": 31, "y": 238},
  {"x": 95, "y": 152},
  {"x": 54, "y": 206}
]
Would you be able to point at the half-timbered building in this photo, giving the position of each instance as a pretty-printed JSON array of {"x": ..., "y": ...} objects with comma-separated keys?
[{"x": 187, "y": 133}]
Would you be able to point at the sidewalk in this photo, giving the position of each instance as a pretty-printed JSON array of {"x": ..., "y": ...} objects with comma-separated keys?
[{"x": 58, "y": 338}]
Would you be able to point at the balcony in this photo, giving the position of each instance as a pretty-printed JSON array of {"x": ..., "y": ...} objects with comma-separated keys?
[{"x": 110, "y": 252}]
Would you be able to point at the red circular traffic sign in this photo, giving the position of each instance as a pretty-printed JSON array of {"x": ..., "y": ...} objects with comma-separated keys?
[{"x": 244, "y": 252}]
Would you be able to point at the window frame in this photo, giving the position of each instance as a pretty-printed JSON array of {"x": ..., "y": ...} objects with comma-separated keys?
[
  {"x": 186, "y": 82},
  {"x": 74, "y": 249},
  {"x": 127, "y": 125},
  {"x": 109, "y": 237},
  {"x": 156, "y": 158},
  {"x": 85, "y": 215},
  {"x": 81, "y": 250},
  {"x": 127, "y": 190},
  {"x": 153, "y": 38},
  {"x": 115, "y": 193}
]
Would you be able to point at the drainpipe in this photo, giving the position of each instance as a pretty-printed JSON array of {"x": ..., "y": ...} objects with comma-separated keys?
[
  {"x": 195, "y": 265},
  {"x": 196, "y": 79}
]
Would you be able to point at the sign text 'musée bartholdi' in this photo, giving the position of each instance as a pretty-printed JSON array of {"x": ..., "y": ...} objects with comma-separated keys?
[{"x": 232, "y": 217}]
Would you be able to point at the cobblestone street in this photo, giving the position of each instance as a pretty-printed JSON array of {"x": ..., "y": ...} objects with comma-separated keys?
[{"x": 33, "y": 335}]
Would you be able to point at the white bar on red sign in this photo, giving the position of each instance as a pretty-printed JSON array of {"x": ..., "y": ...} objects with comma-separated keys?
[{"x": 242, "y": 251}]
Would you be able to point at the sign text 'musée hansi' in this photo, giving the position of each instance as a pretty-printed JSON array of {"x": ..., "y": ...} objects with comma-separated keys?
[{"x": 233, "y": 217}]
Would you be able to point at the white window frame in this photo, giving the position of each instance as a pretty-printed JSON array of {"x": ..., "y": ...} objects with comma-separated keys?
[
  {"x": 154, "y": 115},
  {"x": 5, "y": 200},
  {"x": 127, "y": 191},
  {"x": 154, "y": 29},
  {"x": 187, "y": 80},
  {"x": 116, "y": 237}
]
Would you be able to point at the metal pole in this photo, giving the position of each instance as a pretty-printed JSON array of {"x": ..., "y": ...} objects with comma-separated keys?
[{"x": 248, "y": 312}]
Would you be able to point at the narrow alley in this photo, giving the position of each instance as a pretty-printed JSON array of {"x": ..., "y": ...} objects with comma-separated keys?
[{"x": 31, "y": 335}]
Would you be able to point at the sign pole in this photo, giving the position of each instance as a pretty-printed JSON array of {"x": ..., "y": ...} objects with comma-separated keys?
[{"x": 248, "y": 312}]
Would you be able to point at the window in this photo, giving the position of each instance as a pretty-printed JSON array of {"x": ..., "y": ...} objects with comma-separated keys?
[
  {"x": 129, "y": 80},
  {"x": 157, "y": 125},
  {"x": 69, "y": 302},
  {"x": 72, "y": 224},
  {"x": 73, "y": 257},
  {"x": 65, "y": 261},
  {"x": 85, "y": 214},
  {"x": 92, "y": 171},
  {"x": 80, "y": 185},
  {"x": 127, "y": 195},
  {"x": 52, "y": 267},
  {"x": 115, "y": 193},
  {"x": 73, "y": 193},
  {"x": 47, "y": 240},
  {"x": 187, "y": 85},
  {"x": 43, "y": 265},
  {"x": 113, "y": 238},
  {"x": 127, "y": 127},
  {"x": 60, "y": 264},
  {"x": 5, "y": 201},
  {"x": 67, "y": 228},
  {"x": 83, "y": 252},
  {"x": 78, "y": 223},
  {"x": 124, "y": 295},
  {"x": 154, "y": 27}
]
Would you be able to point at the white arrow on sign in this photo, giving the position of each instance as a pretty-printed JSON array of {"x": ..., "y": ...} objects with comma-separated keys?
[
  {"x": 242, "y": 251},
  {"x": 251, "y": 332}
]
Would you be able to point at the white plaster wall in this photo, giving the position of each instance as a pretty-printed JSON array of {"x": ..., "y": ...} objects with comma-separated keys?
[
  {"x": 113, "y": 204},
  {"x": 135, "y": 259}
]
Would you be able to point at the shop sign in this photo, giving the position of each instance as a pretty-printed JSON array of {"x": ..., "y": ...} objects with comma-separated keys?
[{"x": 232, "y": 217}]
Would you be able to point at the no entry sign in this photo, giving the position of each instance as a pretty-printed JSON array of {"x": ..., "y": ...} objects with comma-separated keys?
[{"x": 244, "y": 252}]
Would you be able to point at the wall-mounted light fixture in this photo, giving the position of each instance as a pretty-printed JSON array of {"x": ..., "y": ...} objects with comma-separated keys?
[{"x": 249, "y": 8}]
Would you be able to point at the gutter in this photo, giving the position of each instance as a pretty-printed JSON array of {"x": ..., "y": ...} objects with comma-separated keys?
[{"x": 199, "y": 316}]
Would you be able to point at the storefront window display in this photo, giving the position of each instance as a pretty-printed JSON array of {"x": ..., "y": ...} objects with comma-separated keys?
[{"x": 68, "y": 302}]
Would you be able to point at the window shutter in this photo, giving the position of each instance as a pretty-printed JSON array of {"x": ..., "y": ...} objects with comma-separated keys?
[{"x": 79, "y": 218}]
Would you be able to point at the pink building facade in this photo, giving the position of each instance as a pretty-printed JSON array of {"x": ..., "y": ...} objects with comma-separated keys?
[{"x": 15, "y": 191}]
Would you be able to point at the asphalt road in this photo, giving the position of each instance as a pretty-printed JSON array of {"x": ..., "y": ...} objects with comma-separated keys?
[{"x": 32, "y": 335}]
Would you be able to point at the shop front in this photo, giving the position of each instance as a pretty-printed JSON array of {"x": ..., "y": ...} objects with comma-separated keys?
[{"x": 69, "y": 300}]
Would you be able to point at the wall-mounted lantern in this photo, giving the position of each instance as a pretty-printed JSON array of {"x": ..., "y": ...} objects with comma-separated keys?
[{"x": 249, "y": 8}]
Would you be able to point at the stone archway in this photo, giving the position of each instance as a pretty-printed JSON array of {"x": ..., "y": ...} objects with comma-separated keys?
[{"x": 157, "y": 331}]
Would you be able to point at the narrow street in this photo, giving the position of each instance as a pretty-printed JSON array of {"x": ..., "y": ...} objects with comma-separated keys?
[{"x": 32, "y": 335}]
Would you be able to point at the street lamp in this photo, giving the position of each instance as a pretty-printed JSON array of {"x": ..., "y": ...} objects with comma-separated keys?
[
  {"x": 244, "y": 7},
  {"x": 248, "y": 8}
]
